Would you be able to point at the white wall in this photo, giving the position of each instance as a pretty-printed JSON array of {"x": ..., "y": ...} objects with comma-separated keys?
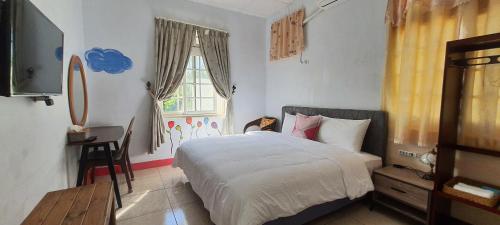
[
  {"x": 346, "y": 48},
  {"x": 34, "y": 157},
  {"x": 128, "y": 26}
]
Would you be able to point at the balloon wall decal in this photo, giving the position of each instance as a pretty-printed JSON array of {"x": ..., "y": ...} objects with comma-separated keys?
[
  {"x": 171, "y": 125},
  {"x": 189, "y": 121},
  {"x": 179, "y": 129},
  {"x": 215, "y": 126}
]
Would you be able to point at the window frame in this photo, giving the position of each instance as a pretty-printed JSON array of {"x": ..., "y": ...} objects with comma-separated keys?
[{"x": 197, "y": 86}]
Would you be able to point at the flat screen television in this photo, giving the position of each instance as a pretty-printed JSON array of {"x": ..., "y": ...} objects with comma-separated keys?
[{"x": 31, "y": 51}]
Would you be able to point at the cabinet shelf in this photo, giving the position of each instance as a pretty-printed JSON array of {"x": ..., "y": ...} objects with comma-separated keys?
[{"x": 468, "y": 202}]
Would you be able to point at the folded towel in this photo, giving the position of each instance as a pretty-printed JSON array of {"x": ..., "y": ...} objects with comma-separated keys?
[
  {"x": 497, "y": 192},
  {"x": 474, "y": 190}
]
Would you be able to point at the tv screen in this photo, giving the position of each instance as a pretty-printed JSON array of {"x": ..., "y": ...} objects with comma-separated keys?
[{"x": 31, "y": 62}]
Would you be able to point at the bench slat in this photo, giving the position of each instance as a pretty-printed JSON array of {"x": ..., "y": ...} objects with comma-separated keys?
[
  {"x": 100, "y": 205},
  {"x": 78, "y": 211},
  {"x": 43, "y": 208},
  {"x": 62, "y": 207}
]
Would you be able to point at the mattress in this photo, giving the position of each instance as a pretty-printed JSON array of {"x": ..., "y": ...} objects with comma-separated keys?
[
  {"x": 261, "y": 176},
  {"x": 372, "y": 162}
]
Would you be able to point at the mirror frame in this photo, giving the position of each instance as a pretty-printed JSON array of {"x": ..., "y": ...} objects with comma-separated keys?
[{"x": 75, "y": 60}]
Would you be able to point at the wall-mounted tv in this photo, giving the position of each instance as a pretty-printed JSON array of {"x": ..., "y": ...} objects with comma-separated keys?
[{"x": 31, "y": 51}]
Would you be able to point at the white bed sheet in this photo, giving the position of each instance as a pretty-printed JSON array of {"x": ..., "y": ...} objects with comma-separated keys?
[
  {"x": 372, "y": 162},
  {"x": 260, "y": 176}
]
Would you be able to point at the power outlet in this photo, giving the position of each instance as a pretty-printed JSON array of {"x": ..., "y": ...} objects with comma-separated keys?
[{"x": 407, "y": 154}]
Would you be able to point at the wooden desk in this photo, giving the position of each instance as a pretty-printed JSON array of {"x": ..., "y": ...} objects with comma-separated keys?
[
  {"x": 85, "y": 205},
  {"x": 105, "y": 136}
]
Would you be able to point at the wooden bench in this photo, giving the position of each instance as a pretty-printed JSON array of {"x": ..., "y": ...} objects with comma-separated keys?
[{"x": 85, "y": 205}]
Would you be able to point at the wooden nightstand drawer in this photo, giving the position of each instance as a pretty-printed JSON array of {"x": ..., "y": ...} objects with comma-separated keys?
[{"x": 401, "y": 191}]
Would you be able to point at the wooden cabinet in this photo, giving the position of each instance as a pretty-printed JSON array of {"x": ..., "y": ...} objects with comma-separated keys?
[
  {"x": 402, "y": 190},
  {"x": 457, "y": 61}
]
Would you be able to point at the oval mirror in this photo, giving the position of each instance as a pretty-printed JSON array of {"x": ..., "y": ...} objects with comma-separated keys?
[{"x": 77, "y": 92}]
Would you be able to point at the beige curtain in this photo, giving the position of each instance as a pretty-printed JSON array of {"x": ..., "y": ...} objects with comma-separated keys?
[
  {"x": 287, "y": 36},
  {"x": 173, "y": 41},
  {"x": 214, "y": 48},
  {"x": 480, "y": 114},
  {"x": 417, "y": 35}
]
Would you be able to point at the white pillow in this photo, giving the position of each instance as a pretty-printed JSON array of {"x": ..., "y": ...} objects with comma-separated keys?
[
  {"x": 347, "y": 134},
  {"x": 288, "y": 124}
]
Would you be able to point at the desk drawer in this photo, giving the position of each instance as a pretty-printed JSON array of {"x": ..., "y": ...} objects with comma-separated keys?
[{"x": 404, "y": 192}]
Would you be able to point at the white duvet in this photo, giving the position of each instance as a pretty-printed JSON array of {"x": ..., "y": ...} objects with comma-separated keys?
[{"x": 260, "y": 176}]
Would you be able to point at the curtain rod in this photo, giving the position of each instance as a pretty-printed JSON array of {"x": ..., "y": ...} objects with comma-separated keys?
[{"x": 179, "y": 21}]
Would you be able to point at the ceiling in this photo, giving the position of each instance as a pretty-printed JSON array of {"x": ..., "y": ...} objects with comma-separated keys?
[{"x": 261, "y": 8}]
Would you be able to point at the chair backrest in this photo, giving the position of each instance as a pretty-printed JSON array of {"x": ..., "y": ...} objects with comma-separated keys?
[
  {"x": 130, "y": 125},
  {"x": 123, "y": 151},
  {"x": 126, "y": 140}
]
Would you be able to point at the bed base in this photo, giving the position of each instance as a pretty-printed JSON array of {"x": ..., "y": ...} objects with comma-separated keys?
[{"x": 315, "y": 212}]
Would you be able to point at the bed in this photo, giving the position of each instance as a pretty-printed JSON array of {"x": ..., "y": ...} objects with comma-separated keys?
[{"x": 271, "y": 178}]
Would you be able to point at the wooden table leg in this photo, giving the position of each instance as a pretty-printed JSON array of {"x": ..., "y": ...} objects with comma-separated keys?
[
  {"x": 112, "y": 219},
  {"x": 111, "y": 167},
  {"x": 81, "y": 167}
]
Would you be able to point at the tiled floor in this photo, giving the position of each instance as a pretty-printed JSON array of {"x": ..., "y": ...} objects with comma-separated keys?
[{"x": 162, "y": 196}]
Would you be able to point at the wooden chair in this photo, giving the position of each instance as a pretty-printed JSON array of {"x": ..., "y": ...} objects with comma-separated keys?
[
  {"x": 120, "y": 157},
  {"x": 257, "y": 122},
  {"x": 129, "y": 165}
]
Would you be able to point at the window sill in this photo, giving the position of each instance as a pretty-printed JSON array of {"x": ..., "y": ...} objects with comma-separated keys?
[{"x": 166, "y": 115}]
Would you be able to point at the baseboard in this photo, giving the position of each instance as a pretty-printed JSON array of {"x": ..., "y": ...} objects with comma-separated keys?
[{"x": 103, "y": 171}]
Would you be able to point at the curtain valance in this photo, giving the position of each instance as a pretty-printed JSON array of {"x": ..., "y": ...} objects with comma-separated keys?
[
  {"x": 397, "y": 9},
  {"x": 287, "y": 36}
]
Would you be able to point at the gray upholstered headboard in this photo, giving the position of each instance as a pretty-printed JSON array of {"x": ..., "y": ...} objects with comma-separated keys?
[{"x": 376, "y": 136}]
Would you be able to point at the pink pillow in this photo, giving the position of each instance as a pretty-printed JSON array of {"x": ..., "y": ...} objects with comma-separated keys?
[{"x": 306, "y": 126}]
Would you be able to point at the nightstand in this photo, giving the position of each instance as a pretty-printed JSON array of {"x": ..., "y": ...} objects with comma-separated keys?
[{"x": 403, "y": 191}]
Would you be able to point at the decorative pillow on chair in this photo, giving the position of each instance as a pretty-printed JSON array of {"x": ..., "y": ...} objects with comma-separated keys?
[
  {"x": 266, "y": 123},
  {"x": 306, "y": 126}
]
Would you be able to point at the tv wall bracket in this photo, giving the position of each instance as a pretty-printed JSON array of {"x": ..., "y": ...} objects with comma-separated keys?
[{"x": 48, "y": 101}]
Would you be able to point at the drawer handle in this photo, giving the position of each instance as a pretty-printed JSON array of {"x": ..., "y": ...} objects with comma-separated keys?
[{"x": 398, "y": 190}]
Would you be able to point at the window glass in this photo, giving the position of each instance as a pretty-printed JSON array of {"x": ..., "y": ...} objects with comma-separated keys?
[{"x": 196, "y": 94}]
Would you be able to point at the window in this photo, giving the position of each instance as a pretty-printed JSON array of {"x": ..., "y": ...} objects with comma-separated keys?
[{"x": 196, "y": 95}]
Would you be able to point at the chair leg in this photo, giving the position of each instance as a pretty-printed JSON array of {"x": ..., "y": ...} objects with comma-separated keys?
[
  {"x": 87, "y": 177},
  {"x": 127, "y": 177},
  {"x": 129, "y": 166}
]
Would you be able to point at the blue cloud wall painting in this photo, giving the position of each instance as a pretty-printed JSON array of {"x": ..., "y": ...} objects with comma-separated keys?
[{"x": 110, "y": 61}]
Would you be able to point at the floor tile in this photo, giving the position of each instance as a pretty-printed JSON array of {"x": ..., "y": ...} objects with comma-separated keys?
[
  {"x": 378, "y": 216},
  {"x": 120, "y": 177},
  {"x": 172, "y": 177},
  {"x": 142, "y": 184},
  {"x": 181, "y": 195},
  {"x": 165, "y": 217},
  {"x": 146, "y": 172},
  {"x": 142, "y": 204},
  {"x": 163, "y": 196},
  {"x": 192, "y": 214}
]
